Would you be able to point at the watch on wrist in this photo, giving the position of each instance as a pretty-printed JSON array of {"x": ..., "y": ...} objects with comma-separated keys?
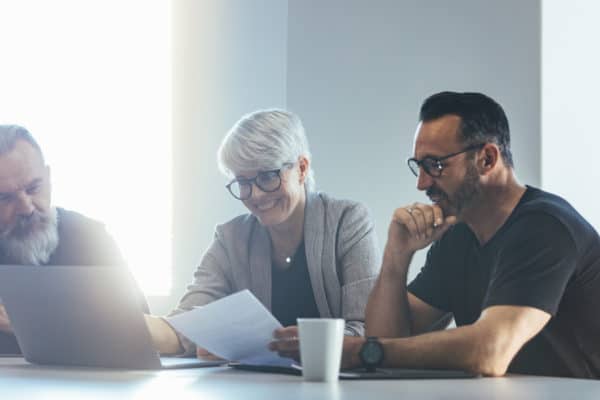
[{"x": 371, "y": 354}]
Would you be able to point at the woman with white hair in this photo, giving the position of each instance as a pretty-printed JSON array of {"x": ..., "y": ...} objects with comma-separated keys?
[{"x": 301, "y": 253}]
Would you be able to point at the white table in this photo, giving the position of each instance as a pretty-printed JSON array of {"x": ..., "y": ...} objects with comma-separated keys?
[{"x": 19, "y": 380}]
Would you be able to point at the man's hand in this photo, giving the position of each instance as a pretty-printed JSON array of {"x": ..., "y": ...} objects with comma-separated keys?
[
  {"x": 4, "y": 322},
  {"x": 350, "y": 357},
  {"x": 287, "y": 343},
  {"x": 416, "y": 226}
]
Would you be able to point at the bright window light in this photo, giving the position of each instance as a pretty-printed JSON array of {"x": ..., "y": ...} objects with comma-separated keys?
[{"x": 91, "y": 80}]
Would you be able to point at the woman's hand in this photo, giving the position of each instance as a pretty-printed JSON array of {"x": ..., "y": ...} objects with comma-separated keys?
[
  {"x": 287, "y": 343},
  {"x": 163, "y": 336},
  {"x": 4, "y": 322},
  {"x": 203, "y": 354}
]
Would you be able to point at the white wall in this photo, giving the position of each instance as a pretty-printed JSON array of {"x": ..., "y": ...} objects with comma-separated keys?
[
  {"x": 229, "y": 59},
  {"x": 570, "y": 87},
  {"x": 359, "y": 70},
  {"x": 356, "y": 72}
]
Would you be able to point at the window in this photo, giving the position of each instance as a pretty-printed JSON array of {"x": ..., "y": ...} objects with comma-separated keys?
[{"x": 91, "y": 80}]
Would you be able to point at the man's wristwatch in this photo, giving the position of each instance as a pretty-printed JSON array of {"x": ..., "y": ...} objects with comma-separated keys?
[{"x": 371, "y": 354}]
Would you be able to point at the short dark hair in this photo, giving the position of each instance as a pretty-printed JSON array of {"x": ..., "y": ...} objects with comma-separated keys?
[{"x": 482, "y": 119}]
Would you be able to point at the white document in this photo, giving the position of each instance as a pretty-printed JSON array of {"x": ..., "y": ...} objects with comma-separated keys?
[{"x": 237, "y": 328}]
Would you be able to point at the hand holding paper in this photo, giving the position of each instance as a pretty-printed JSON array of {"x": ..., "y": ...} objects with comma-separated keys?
[{"x": 237, "y": 328}]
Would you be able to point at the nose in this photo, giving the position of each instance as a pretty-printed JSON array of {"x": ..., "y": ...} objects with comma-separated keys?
[
  {"x": 424, "y": 181},
  {"x": 25, "y": 204},
  {"x": 257, "y": 192}
]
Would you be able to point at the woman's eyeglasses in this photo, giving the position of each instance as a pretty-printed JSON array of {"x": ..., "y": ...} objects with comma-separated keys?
[{"x": 267, "y": 181}]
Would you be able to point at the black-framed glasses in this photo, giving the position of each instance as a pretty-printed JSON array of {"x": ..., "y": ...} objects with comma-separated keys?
[
  {"x": 267, "y": 181},
  {"x": 433, "y": 166}
]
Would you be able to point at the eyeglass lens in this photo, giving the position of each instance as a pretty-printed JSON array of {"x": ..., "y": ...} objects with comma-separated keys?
[{"x": 267, "y": 181}]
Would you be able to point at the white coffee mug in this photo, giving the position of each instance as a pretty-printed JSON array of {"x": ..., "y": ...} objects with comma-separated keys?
[{"x": 321, "y": 342}]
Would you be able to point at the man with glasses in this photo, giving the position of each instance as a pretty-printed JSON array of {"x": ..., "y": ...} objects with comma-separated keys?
[{"x": 518, "y": 268}]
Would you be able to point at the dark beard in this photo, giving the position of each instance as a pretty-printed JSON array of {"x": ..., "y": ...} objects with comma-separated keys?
[{"x": 466, "y": 194}]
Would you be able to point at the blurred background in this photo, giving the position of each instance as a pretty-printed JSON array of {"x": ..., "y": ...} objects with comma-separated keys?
[{"x": 131, "y": 98}]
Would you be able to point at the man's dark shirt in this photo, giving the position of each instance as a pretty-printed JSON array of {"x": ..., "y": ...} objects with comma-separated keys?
[
  {"x": 545, "y": 256},
  {"x": 82, "y": 242}
]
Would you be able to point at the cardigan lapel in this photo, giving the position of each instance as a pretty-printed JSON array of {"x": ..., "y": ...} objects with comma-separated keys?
[
  {"x": 314, "y": 230},
  {"x": 260, "y": 264}
]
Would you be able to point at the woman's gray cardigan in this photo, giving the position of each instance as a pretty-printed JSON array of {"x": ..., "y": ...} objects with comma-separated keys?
[{"x": 341, "y": 253}]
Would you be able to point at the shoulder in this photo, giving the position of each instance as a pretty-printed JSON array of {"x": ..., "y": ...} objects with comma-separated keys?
[
  {"x": 73, "y": 223},
  {"x": 336, "y": 208},
  {"x": 539, "y": 209},
  {"x": 83, "y": 241},
  {"x": 344, "y": 221},
  {"x": 535, "y": 199},
  {"x": 545, "y": 222},
  {"x": 237, "y": 228}
]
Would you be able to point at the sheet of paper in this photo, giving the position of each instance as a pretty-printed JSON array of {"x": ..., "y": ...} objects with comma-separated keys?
[{"x": 237, "y": 327}]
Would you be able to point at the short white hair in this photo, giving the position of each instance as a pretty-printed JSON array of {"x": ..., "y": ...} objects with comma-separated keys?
[
  {"x": 265, "y": 140},
  {"x": 11, "y": 134}
]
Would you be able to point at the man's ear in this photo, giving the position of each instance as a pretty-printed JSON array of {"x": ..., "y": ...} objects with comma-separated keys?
[{"x": 490, "y": 154}]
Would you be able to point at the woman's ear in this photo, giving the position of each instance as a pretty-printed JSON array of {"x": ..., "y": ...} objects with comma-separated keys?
[{"x": 304, "y": 164}]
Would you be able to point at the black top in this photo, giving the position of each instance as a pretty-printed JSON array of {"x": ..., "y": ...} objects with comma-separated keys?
[
  {"x": 291, "y": 291},
  {"x": 544, "y": 256},
  {"x": 82, "y": 242}
]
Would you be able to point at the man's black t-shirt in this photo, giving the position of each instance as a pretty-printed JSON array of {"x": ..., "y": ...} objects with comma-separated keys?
[{"x": 545, "y": 256}]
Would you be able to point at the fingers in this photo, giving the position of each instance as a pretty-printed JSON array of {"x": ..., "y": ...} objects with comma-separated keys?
[
  {"x": 420, "y": 219},
  {"x": 205, "y": 355},
  {"x": 422, "y": 223},
  {"x": 405, "y": 216},
  {"x": 285, "y": 333},
  {"x": 441, "y": 229},
  {"x": 426, "y": 219},
  {"x": 286, "y": 346},
  {"x": 438, "y": 216},
  {"x": 201, "y": 352},
  {"x": 286, "y": 339}
]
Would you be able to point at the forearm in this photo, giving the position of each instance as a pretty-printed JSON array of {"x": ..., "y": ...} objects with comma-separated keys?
[
  {"x": 466, "y": 348},
  {"x": 388, "y": 311},
  {"x": 163, "y": 336}
]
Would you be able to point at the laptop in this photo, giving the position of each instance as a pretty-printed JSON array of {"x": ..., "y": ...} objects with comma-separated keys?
[{"x": 81, "y": 316}]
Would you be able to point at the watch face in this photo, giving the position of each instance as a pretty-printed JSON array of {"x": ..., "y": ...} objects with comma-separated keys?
[{"x": 372, "y": 352}]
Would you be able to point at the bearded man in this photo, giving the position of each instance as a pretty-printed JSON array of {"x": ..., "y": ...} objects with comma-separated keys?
[
  {"x": 517, "y": 267},
  {"x": 32, "y": 231}
]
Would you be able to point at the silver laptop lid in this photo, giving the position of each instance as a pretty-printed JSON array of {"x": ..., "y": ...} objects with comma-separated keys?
[{"x": 77, "y": 315}]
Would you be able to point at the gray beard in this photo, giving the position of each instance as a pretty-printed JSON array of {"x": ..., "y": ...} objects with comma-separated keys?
[{"x": 37, "y": 247}]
